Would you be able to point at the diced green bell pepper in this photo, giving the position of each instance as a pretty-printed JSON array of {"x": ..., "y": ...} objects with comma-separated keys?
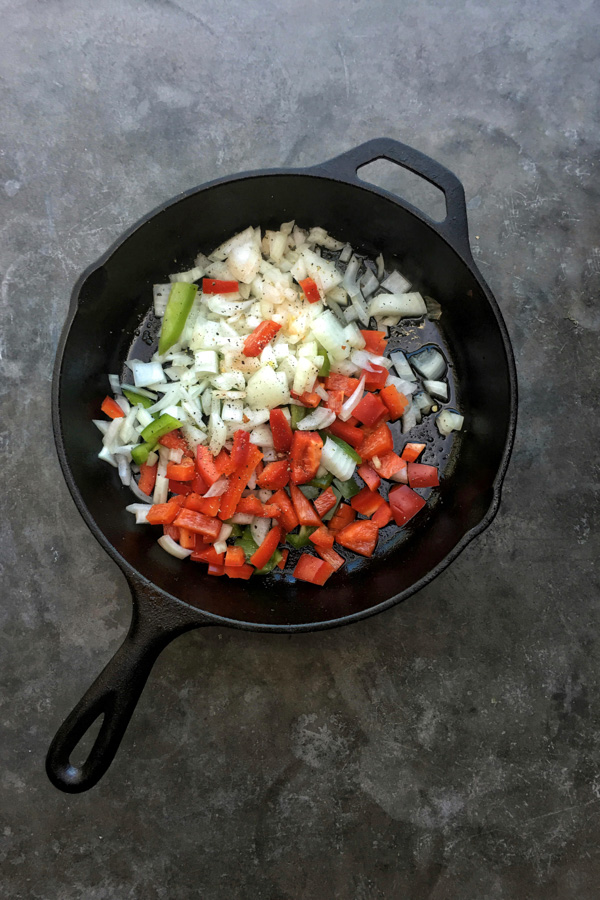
[
  {"x": 247, "y": 542},
  {"x": 322, "y": 481},
  {"x": 161, "y": 426},
  {"x": 298, "y": 413},
  {"x": 309, "y": 491},
  {"x": 300, "y": 540},
  {"x": 140, "y": 452},
  {"x": 347, "y": 489},
  {"x": 236, "y": 530},
  {"x": 179, "y": 304},
  {"x": 138, "y": 399},
  {"x": 326, "y": 367}
]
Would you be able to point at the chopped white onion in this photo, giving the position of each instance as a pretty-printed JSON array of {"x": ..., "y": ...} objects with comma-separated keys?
[
  {"x": 410, "y": 305},
  {"x": 437, "y": 389},
  {"x": 261, "y": 436},
  {"x": 335, "y": 459},
  {"x": 172, "y": 547},
  {"x": 396, "y": 283},
  {"x": 317, "y": 419},
  {"x": 146, "y": 373},
  {"x": 320, "y": 390},
  {"x": 365, "y": 360},
  {"x": 353, "y": 400},
  {"x": 449, "y": 420},
  {"x": 402, "y": 366},
  {"x": 260, "y": 528},
  {"x": 429, "y": 363},
  {"x": 242, "y": 519},
  {"x": 115, "y": 384},
  {"x": 161, "y": 489},
  {"x": 218, "y": 488}
]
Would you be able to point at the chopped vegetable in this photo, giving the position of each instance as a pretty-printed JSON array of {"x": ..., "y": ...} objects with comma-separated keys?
[
  {"x": 313, "y": 570},
  {"x": 256, "y": 342},
  {"x": 411, "y": 451},
  {"x": 111, "y": 408},
  {"x": 179, "y": 304},
  {"x": 305, "y": 456},
  {"x": 404, "y": 503},
  {"x": 360, "y": 537}
]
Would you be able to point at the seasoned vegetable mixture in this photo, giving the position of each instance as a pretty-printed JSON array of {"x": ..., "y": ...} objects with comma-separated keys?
[{"x": 268, "y": 395}]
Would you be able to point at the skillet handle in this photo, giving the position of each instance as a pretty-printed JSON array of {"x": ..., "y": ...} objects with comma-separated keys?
[
  {"x": 454, "y": 227},
  {"x": 114, "y": 695}
]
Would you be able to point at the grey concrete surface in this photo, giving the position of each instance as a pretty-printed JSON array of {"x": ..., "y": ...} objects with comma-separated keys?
[{"x": 448, "y": 749}]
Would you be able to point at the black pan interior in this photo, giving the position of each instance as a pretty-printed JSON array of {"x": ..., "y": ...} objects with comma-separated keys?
[{"x": 114, "y": 302}]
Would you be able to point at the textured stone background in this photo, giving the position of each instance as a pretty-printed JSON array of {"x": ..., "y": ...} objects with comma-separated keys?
[{"x": 449, "y": 748}]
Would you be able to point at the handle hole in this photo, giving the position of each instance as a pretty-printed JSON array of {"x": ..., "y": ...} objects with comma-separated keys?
[
  {"x": 396, "y": 179},
  {"x": 82, "y": 749}
]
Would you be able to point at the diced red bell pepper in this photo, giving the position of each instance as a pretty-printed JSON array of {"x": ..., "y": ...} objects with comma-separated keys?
[
  {"x": 207, "y": 505},
  {"x": 187, "y": 539},
  {"x": 284, "y": 558},
  {"x": 238, "y": 482},
  {"x": 422, "y": 476},
  {"x": 268, "y": 547},
  {"x": 198, "y": 484},
  {"x": 330, "y": 556},
  {"x": 366, "y": 501},
  {"x": 308, "y": 398},
  {"x": 360, "y": 537},
  {"x": 235, "y": 556},
  {"x": 244, "y": 571},
  {"x": 305, "y": 511},
  {"x": 395, "y": 402},
  {"x": 322, "y": 537},
  {"x": 256, "y": 342},
  {"x": 249, "y": 506},
  {"x": 275, "y": 475},
  {"x": 382, "y": 516},
  {"x": 315, "y": 571},
  {"x": 205, "y": 465},
  {"x": 369, "y": 476},
  {"x": 404, "y": 503},
  {"x": 335, "y": 382},
  {"x": 239, "y": 451},
  {"x": 216, "y": 286},
  {"x": 207, "y": 553},
  {"x": 370, "y": 410},
  {"x": 375, "y": 341},
  {"x": 224, "y": 463},
  {"x": 335, "y": 401},
  {"x": 311, "y": 291},
  {"x": 288, "y": 518},
  {"x": 347, "y": 432},
  {"x": 343, "y": 515},
  {"x": 376, "y": 444},
  {"x": 147, "y": 478},
  {"x": 325, "y": 502},
  {"x": 388, "y": 464},
  {"x": 183, "y": 488},
  {"x": 183, "y": 471},
  {"x": 376, "y": 379},
  {"x": 411, "y": 452},
  {"x": 174, "y": 440},
  {"x": 208, "y": 527},
  {"x": 281, "y": 431},
  {"x": 305, "y": 456},
  {"x": 172, "y": 531},
  {"x": 271, "y": 511},
  {"x": 111, "y": 408},
  {"x": 215, "y": 570},
  {"x": 162, "y": 514}
]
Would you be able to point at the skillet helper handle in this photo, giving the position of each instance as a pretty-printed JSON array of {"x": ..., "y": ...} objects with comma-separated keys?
[
  {"x": 454, "y": 227},
  {"x": 114, "y": 696}
]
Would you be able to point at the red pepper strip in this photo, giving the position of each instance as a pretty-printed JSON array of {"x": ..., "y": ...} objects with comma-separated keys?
[
  {"x": 308, "y": 398},
  {"x": 215, "y": 570},
  {"x": 187, "y": 538},
  {"x": 207, "y": 505},
  {"x": 325, "y": 502},
  {"x": 281, "y": 431},
  {"x": 183, "y": 471},
  {"x": 335, "y": 401},
  {"x": 182, "y": 488},
  {"x": 370, "y": 410},
  {"x": 266, "y": 550},
  {"x": 172, "y": 532},
  {"x": 311, "y": 291},
  {"x": 366, "y": 501},
  {"x": 288, "y": 518},
  {"x": 235, "y": 556},
  {"x": 313, "y": 570},
  {"x": 238, "y": 482},
  {"x": 360, "y": 537},
  {"x": 208, "y": 527},
  {"x": 147, "y": 478},
  {"x": 305, "y": 456},
  {"x": 275, "y": 475},
  {"x": 422, "y": 476},
  {"x": 388, "y": 464},
  {"x": 335, "y": 382},
  {"x": 205, "y": 464},
  {"x": 175, "y": 441},
  {"x": 111, "y": 408},
  {"x": 249, "y": 506},
  {"x": 404, "y": 503},
  {"x": 376, "y": 444},
  {"x": 343, "y": 515},
  {"x": 305, "y": 511},
  {"x": 376, "y": 379},
  {"x": 284, "y": 556},
  {"x": 239, "y": 451},
  {"x": 256, "y": 342},
  {"x": 224, "y": 463},
  {"x": 375, "y": 341},
  {"x": 330, "y": 556},
  {"x": 198, "y": 485},
  {"x": 244, "y": 571},
  {"x": 347, "y": 432},
  {"x": 322, "y": 537},
  {"x": 214, "y": 286},
  {"x": 395, "y": 402},
  {"x": 162, "y": 514},
  {"x": 412, "y": 452},
  {"x": 382, "y": 516},
  {"x": 369, "y": 476},
  {"x": 207, "y": 553}
]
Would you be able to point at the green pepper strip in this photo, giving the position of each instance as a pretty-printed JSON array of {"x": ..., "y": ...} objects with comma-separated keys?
[
  {"x": 140, "y": 452},
  {"x": 310, "y": 491},
  {"x": 346, "y": 448},
  {"x": 322, "y": 481},
  {"x": 300, "y": 540},
  {"x": 247, "y": 542},
  {"x": 179, "y": 304},
  {"x": 347, "y": 489},
  {"x": 138, "y": 399},
  {"x": 161, "y": 426},
  {"x": 298, "y": 413},
  {"x": 326, "y": 367}
]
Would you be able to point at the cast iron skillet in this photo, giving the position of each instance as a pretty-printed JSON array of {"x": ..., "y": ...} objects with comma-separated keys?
[{"x": 108, "y": 319}]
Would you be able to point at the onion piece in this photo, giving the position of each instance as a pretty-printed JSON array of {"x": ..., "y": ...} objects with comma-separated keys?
[
  {"x": 319, "y": 418},
  {"x": 402, "y": 366},
  {"x": 423, "y": 401},
  {"x": 369, "y": 283},
  {"x": 405, "y": 387},
  {"x": 115, "y": 384},
  {"x": 366, "y": 360},
  {"x": 242, "y": 519},
  {"x": 428, "y": 362},
  {"x": 260, "y": 529},
  {"x": 146, "y": 373},
  {"x": 160, "y": 294},
  {"x": 139, "y": 494},
  {"x": 218, "y": 488},
  {"x": 123, "y": 467},
  {"x": 353, "y": 400},
  {"x": 449, "y": 420},
  {"x": 396, "y": 283},
  {"x": 175, "y": 549},
  {"x": 320, "y": 390},
  {"x": 346, "y": 253},
  {"x": 140, "y": 511},
  {"x": 262, "y": 436},
  {"x": 102, "y": 425},
  {"x": 335, "y": 459},
  {"x": 360, "y": 306},
  {"x": 107, "y": 456},
  {"x": 161, "y": 489},
  {"x": 410, "y": 305},
  {"x": 437, "y": 389}
]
